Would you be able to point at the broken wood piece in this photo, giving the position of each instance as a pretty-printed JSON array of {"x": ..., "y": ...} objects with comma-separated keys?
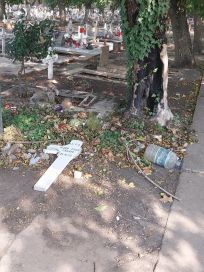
[
  {"x": 88, "y": 100},
  {"x": 73, "y": 94},
  {"x": 65, "y": 155},
  {"x": 92, "y": 77},
  {"x": 103, "y": 74}
]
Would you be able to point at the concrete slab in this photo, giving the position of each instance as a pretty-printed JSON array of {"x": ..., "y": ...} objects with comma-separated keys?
[
  {"x": 202, "y": 89},
  {"x": 7, "y": 67},
  {"x": 52, "y": 245},
  {"x": 183, "y": 244},
  {"x": 194, "y": 159},
  {"x": 198, "y": 120}
]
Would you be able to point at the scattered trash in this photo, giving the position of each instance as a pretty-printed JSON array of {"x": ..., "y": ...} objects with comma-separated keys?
[
  {"x": 11, "y": 158},
  {"x": 77, "y": 174},
  {"x": 44, "y": 157},
  {"x": 67, "y": 104},
  {"x": 158, "y": 137},
  {"x": 165, "y": 198},
  {"x": 26, "y": 156},
  {"x": 32, "y": 151},
  {"x": 101, "y": 208},
  {"x": 6, "y": 148},
  {"x": 139, "y": 147},
  {"x": 75, "y": 123},
  {"x": 34, "y": 160},
  {"x": 59, "y": 108},
  {"x": 12, "y": 134},
  {"x": 162, "y": 156}
]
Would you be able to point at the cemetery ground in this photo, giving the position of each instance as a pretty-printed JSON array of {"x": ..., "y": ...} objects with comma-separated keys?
[{"x": 109, "y": 219}]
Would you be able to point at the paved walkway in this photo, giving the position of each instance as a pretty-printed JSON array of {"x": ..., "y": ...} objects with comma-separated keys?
[{"x": 183, "y": 243}]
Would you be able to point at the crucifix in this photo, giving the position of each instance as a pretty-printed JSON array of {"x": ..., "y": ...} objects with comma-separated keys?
[{"x": 50, "y": 59}]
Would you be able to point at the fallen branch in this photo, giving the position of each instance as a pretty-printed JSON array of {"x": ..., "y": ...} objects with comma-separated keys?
[
  {"x": 34, "y": 142},
  {"x": 146, "y": 177}
]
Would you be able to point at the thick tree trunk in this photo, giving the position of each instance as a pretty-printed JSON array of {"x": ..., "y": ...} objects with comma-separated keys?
[
  {"x": 62, "y": 11},
  {"x": 183, "y": 46},
  {"x": 87, "y": 12},
  {"x": 150, "y": 75},
  {"x": 198, "y": 35},
  {"x": 2, "y": 9},
  {"x": 86, "y": 16}
]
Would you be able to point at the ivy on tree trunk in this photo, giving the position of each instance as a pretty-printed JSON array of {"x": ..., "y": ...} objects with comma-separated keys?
[
  {"x": 2, "y": 9},
  {"x": 143, "y": 24}
]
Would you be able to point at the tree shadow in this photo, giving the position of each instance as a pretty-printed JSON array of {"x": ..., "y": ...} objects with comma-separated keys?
[{"x": 61, "y": 230}]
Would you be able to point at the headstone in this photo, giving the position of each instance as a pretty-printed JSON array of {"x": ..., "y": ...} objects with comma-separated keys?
[
  {"x": 104, "y": 57},
  {"x": 50, "y": 59}
]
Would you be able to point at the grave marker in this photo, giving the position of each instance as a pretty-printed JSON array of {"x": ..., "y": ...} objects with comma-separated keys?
[
  {"x": 65, "y": 155},
  {"x": 50, "y": 59}
]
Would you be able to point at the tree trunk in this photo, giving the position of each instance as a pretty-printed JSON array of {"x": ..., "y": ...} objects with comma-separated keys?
[
  {"x": 2, "y": 9},
  {"x": 198, "y": 35},
  {"x": 149, "y": 75},
  {"x": 62, "y": 11},
  {"x": 182, "y": 40},
  {"x": 86, "y": 16}
]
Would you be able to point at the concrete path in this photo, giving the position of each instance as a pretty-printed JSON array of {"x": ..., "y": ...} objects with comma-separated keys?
[{"x": 183, "y": 243}]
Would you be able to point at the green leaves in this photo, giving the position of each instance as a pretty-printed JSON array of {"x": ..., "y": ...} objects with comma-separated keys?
[
  {"x": 30, "y": 40},
  {"x": 101, "y": 208},
  {"x": 140, "y": 38}
]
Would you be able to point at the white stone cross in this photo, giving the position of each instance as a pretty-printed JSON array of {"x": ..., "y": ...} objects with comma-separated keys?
[
  {"x": 65, "y": 154},
  {"x": 50, "y": 59},
  {"x": 3, "y": 41}
]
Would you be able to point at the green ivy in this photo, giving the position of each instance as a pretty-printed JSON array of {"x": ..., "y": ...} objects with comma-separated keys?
[
  {"x": 141, "y": 38},
  {"x": 30, "y": 40}
]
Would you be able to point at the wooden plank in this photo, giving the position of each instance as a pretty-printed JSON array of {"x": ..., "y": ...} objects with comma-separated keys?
[
  {"x": 103, "y": 74},
  {"x": 74, "y": 71},
  {"x": 92, "y": 77}
]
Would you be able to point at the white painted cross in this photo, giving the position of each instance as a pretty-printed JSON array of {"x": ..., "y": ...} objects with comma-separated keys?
[
  {"x": 65, "y": 154},
  {"x": 50, "y": 59},
  {"x": 3, "y": 41}
]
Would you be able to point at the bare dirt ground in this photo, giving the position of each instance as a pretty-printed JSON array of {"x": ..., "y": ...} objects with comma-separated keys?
[{"x": 112, "y": 220}]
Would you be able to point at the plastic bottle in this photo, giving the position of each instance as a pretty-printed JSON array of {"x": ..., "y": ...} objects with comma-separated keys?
[{"x": 162, "y": 156}]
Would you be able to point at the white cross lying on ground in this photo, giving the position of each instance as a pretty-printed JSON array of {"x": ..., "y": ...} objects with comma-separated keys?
[{"x": 65, "y": 154}]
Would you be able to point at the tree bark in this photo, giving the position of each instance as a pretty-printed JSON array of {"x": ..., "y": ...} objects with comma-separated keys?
[
  {"x": 62, "y": 11},
  {"x": 198, "y": 35},
  {"x": 2, "y": 9},
  {"x": 149, "y": 74},
  {"x": 182, "y": 40}
]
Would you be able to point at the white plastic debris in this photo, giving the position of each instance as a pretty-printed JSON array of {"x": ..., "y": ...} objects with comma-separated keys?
[{"x": 34, "y": 160}]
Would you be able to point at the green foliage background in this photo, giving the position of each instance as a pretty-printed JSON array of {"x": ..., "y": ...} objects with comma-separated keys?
[{"x": 30, "y": 40}]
